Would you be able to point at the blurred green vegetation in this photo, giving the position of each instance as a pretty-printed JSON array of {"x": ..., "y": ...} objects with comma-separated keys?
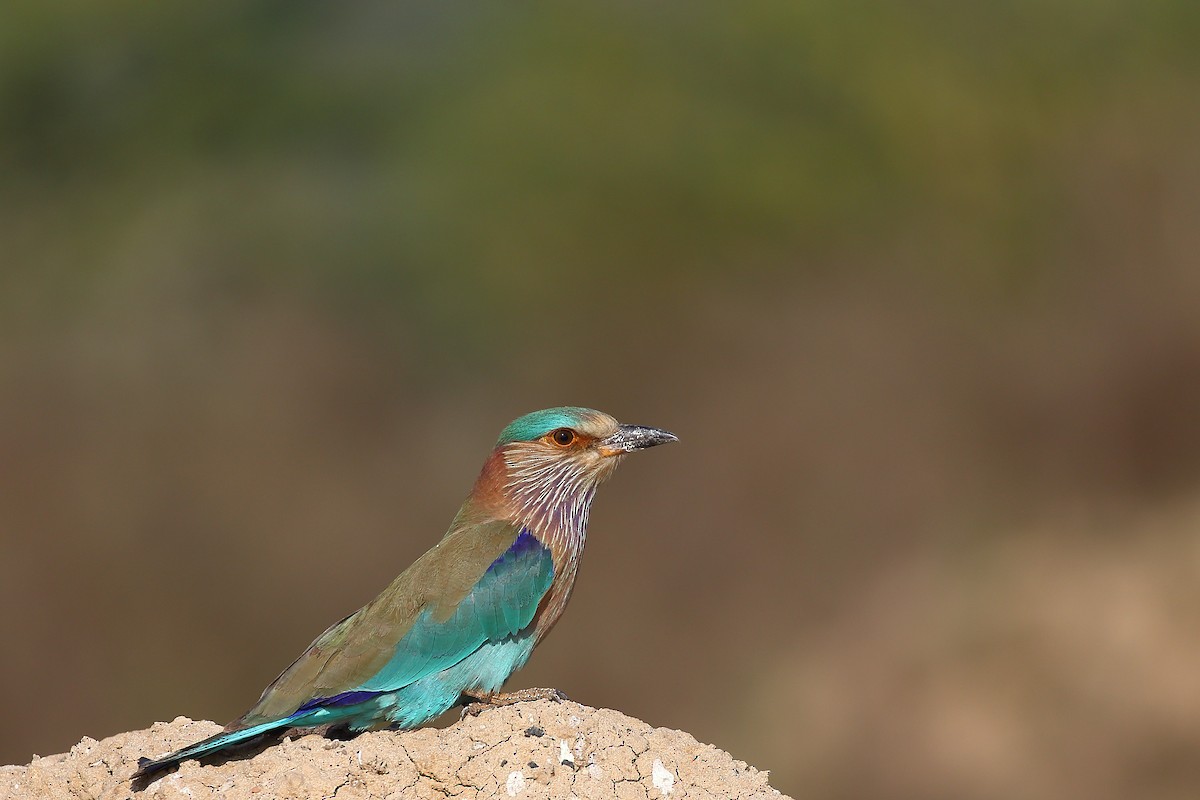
[
  {"x": 439, "y": 165},
  {"x": 917, "y": 285}
]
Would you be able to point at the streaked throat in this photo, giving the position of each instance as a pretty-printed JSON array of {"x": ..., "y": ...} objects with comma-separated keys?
[{"x": 552, "y": 494}]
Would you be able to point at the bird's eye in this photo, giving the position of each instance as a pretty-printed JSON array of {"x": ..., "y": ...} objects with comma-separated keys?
[{"x": 563, "y": 437}]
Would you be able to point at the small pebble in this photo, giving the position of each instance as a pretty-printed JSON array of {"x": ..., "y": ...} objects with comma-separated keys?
[{"x": 515, "y": 784}]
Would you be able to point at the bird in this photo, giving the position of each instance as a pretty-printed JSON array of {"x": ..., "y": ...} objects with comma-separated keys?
[{"x": 466, "y": 615}]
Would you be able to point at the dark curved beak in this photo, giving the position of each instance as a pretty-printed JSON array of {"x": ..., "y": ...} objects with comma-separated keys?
[{"x": 634, "y": 437}]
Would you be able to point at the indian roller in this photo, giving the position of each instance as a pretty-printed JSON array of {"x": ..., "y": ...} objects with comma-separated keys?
[{"x": 466, "y": 615}]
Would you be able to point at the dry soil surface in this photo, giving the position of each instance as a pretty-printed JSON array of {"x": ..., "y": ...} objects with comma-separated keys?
[{"x": 530, "y": 750}]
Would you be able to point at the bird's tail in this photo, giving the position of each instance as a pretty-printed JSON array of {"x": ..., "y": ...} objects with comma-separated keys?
[{"x": 148, "y": 768}]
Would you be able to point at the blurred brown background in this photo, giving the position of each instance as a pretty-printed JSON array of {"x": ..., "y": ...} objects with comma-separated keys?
[{"x": 917, "y": 286}]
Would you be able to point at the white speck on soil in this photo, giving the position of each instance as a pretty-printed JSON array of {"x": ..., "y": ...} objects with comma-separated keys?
[
  {"x": 516, "y": 784},
  {"x": 664, "y": 779}
]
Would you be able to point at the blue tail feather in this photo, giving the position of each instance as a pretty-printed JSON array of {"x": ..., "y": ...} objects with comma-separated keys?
[
  {"x": 148, "y": 767},
  {"x": 319, "y": 711}
]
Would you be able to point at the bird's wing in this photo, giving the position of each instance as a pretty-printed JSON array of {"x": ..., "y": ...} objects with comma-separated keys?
[
  {"x": 482, "y": 582},
  {"x": 500, "y": 604}
]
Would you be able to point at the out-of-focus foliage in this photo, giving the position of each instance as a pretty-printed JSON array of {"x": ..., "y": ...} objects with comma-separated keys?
[
  {"x": 917, "y": 284},
  {"x": 390, "y": 156}
]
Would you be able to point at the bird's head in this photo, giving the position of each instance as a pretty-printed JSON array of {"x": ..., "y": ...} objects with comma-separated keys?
[{"x": 554, "y": 459}]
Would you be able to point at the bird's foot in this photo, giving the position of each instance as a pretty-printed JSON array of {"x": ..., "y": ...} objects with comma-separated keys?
[{"x": 485, "y": 701}]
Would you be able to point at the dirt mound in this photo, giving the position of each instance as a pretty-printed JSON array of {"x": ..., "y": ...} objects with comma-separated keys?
[{"x": 530, "y": 750}]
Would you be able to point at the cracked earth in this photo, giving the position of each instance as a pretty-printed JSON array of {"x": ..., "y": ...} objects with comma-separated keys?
[{"x": 529, "y": 750}]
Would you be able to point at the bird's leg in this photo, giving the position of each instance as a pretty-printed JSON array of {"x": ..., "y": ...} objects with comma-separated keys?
[{"x": 484, "y": 700}]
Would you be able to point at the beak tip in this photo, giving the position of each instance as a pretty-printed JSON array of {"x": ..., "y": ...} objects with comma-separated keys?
[{"x": 629, "y": 438}]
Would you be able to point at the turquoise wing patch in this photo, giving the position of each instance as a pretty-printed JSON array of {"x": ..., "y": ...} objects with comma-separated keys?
[{"x": 500, "y": 605}]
